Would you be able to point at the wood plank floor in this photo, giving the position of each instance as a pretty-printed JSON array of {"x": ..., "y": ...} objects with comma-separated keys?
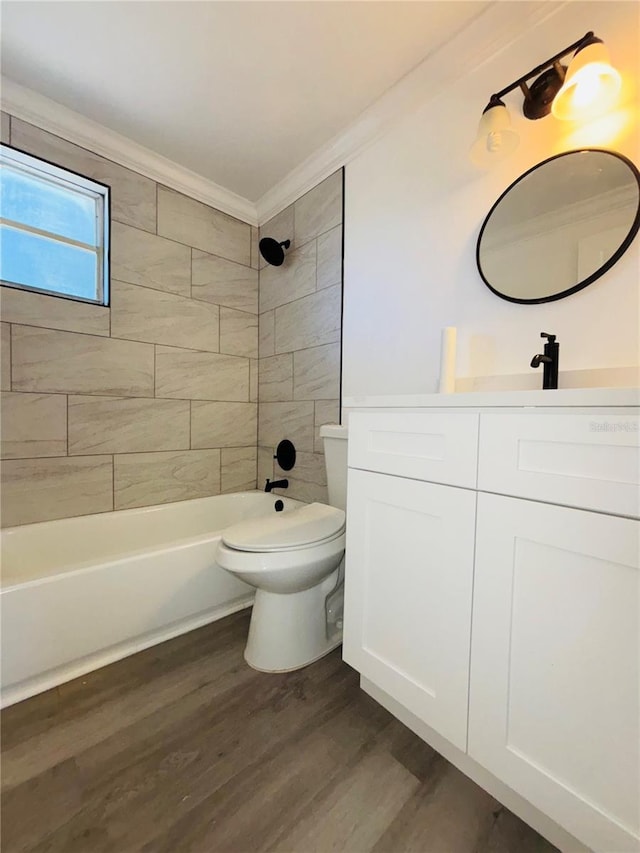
[{"x": 184, "y": 749}]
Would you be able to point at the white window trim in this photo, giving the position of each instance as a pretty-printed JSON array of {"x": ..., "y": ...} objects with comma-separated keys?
[{"x": 73, "y": 182}]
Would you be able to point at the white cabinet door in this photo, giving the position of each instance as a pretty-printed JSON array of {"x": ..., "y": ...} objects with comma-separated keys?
[
  {"x": 408, "y": 584},
  {"x": 554, "y": 665}
]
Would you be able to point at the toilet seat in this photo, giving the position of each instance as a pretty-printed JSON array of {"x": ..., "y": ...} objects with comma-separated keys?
[
  {"x": 288, "y": 531},
  {"x": 293, "y": 570}
]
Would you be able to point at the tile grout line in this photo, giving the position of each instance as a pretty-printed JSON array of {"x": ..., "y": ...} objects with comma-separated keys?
[
  {"x": 300, "y": 298},
  {"x": 104, "y": 454},
  {"x": 182, "y": 243},
  {"x": 207, "y": 222},
  {"x": 180, "y": 295},
  {"x": 146, "y": 286},
  {"x": 204, "y": 204},
  {"x": 128, "y": 340},
  {"x": 10, "y": 356},
  {"x": 122, "y": 396},
  {"x": 159, "y": 236},
  {"x": 258, "y": 395}
]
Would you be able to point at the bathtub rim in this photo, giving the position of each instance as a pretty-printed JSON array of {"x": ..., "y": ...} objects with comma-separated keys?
[
  {"x": 83, "y": 568},
  {"x": 99, "y": 561}
]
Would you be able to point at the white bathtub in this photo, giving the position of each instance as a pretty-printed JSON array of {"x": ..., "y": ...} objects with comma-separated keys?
[{"x": 80, "y": 593}]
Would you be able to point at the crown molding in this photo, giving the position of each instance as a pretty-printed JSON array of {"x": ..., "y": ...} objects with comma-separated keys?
[
  {"x": 37, "y": 109},
  {"x": 492, "y": 31}
]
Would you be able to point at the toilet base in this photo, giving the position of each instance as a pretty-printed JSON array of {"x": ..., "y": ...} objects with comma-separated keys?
[
  {"x": 298, "y": 666},
  {"x": 289, "y": 631}
]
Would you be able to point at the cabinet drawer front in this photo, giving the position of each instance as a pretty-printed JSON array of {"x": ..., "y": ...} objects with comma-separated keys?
[
  {"x": 438, "y": 447},
  {"x": 408, "y": 583},
  {"x": 589, "y": 461},
  {"x": 553, "y": 708}
]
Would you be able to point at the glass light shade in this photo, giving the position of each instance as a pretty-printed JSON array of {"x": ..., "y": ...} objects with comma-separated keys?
[
  {"x": 591, "y": 86},
  {"x": 496, "y": 139}
]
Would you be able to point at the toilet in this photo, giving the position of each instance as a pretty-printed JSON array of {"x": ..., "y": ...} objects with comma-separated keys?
[{"x": 295, "y": 560}]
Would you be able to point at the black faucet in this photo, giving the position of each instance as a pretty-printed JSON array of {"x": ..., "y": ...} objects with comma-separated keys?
[
  {"x": 549, "y": 361},
  {"x": 276, "y": 484}
]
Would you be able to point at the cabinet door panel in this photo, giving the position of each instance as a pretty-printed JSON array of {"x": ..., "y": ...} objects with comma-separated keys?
[
  {"x": 554, "y": 668},
  {"x": 408, "y": 594}
]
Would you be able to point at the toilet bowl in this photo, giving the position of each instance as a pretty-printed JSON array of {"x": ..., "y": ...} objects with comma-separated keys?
[{"x": 295, "y": 560}]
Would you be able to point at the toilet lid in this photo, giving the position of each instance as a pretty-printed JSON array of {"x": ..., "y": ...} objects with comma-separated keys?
[{"x": 285, "y": 531}]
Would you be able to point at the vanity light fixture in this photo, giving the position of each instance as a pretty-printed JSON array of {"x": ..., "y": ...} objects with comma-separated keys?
[
  {"x": 591, "y": 84},
  {"x": 588, "y": 87}
]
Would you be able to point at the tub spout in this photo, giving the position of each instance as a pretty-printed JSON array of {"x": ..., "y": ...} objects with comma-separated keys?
[{"x": 276, "y": 484}]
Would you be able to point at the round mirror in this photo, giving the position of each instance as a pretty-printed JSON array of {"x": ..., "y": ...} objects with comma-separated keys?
[{"x": 560, "y": 226}]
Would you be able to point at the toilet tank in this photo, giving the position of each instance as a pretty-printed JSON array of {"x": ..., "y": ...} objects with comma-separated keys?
[{"x": 335, "y": 460}]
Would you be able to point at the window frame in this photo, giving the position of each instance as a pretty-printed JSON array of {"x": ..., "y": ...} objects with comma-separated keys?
[{"x": 74, "y": 181}]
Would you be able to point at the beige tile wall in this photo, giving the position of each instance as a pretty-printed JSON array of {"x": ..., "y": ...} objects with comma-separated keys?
[
  {"x": 299, "y": 338},
  {"x": 153, "y": 399}
]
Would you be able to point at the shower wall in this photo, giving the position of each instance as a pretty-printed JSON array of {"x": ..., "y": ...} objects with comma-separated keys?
[
  {"x": 152, "y": 399},
  {"x": 300, "y": 338}
]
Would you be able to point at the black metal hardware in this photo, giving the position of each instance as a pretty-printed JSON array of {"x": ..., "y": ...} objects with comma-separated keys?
[
  {"x": 273, "y": 251},
  {"x": 634, "y": 227},
  {"x": 549, "y": 361},
  {"x": 276, "y": 484},
  {"x": 538, "y": 98},
  {"x": 278, "y": 506},
  {"x": 286, "y": 454}
]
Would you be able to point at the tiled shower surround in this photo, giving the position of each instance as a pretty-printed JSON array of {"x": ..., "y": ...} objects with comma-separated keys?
[
  {"x": 155, "y": 398},
  {"x": 300, "y": 330}
]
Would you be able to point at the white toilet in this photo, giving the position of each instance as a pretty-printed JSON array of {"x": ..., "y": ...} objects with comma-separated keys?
[{"x": 295, "y": 561}]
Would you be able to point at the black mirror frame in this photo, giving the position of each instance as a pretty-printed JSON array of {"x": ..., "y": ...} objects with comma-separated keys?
[{"x": 601, "y": 270}]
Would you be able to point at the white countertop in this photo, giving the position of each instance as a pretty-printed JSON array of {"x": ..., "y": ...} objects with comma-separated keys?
[{"x": 561, "y": 397}]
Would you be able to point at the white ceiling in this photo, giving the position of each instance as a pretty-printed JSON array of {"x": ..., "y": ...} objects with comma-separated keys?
[{"x": 239, "y": 92}]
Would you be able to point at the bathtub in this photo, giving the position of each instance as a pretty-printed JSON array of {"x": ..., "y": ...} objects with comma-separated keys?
[{"x": 80, "y": 593}]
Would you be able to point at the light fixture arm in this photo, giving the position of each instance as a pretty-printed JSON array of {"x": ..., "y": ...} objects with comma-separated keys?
[
  {"x": 587, "y": 85},
  {"x": 522, "y": 81}
]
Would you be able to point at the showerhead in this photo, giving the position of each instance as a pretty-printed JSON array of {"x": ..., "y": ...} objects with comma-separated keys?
[{"x": 273, "y": 251}]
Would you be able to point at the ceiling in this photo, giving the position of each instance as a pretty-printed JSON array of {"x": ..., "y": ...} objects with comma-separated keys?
[{"x": 239, "y": 92}]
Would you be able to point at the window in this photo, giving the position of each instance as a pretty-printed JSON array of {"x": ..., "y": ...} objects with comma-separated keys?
[{"x": 54, "y": 229}]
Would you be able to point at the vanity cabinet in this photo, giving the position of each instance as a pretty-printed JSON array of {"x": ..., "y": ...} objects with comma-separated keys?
[{"x": 495, "y": 598}]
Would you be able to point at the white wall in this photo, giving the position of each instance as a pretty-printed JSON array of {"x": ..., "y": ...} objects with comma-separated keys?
[{"x": 413, "y": 209}]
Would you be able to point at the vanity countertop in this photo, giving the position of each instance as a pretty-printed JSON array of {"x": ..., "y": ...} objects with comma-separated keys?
[{"x": 565, "y": 397}]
